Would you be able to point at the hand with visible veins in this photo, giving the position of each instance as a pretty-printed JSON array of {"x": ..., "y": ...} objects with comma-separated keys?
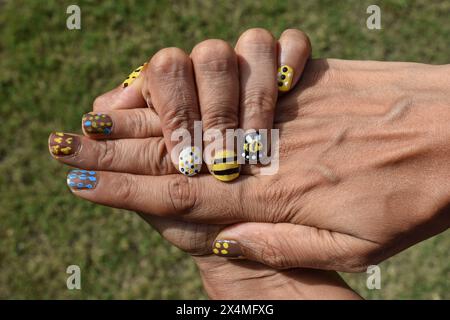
[
  {"x": 134, "y": 128},
  {"x": 363, "y": 173}
]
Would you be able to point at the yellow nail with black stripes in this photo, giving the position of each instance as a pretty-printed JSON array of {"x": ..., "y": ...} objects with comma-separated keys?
[
  {"x": 225, "y": 166},
  {"x": 133, "y": 76}
]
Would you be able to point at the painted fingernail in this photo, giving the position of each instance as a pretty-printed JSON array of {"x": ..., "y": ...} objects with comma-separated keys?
[
  {"x": 253, "y": 147},
  {"x": 225, "y": 166},
  {"x": 133, "y": 75},
  {"x": 227, "y": 248},
  {"x": 190, "y": 161},
  {"x": 82, "y": 179},
  {"x": 63, "y": 144},
  {"x": 285, "y": 77},
  {"x": 97, "y": 123}
]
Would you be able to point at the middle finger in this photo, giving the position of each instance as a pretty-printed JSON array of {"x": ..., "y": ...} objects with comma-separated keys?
[{"x": 216, "y": 75}]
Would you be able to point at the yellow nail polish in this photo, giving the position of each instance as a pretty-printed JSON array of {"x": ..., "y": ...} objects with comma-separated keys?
[
  {"x": 133, "y": 76},
  {"x": 225, "y": 166},
  {"x": 285, "y": 78}
]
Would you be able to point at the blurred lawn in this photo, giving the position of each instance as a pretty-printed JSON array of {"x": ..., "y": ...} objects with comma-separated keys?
[{"x": 49, "y": 77}]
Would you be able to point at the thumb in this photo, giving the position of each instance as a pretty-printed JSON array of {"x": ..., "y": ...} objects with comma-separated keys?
[{"x": 286, "y": 245}]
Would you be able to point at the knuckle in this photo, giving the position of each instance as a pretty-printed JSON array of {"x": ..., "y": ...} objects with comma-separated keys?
[
  {"x": 140, "y": 122},
  {"x": 99, "y": 103},
  {"x": 258, "y": 100},
  {"x": 170, "y": 61},
  {"x": 182, "y": 194},
  {"x": 213, "y": 55},
  {"x": 257, "y": 36},
  {"x": 125, "y": 188},
  {"x": 350, "y": 255},
  {"x": 220, "y": 115},
  {"x": 107, "y": 155},
  {"x": 273, "y": 257},
  {"x": 159, "y": 162},
  {"x": 177, "y": 114}
]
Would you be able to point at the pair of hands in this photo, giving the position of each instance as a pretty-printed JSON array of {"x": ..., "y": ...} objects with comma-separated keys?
[{"x": 363, "y": 169}]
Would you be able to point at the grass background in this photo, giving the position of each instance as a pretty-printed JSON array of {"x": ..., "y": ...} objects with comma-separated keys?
[{"x": 49, "y": 77}]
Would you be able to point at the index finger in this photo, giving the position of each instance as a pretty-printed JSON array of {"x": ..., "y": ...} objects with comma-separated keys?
[{"x": 197, "y": 200}]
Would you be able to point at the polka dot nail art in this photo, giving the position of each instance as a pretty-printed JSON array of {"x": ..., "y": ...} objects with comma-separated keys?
[
  {"x": 190, "y": 161},
  {"x": 82, "y": 179},
  {"x": 97, "y": 123},
  {"x": 285, "y": 77},
  {"x": 227, "y": 248},
  {"x": 133, "y": 76}
]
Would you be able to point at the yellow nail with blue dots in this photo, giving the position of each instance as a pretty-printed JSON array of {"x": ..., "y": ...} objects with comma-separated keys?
[{"x": 285, "y": 77}]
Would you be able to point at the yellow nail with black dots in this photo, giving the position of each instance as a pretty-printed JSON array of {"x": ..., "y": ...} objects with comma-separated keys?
[
  {"x": 133, "y": 76},
  {"x": 285, "y": 78},
  {"x": 225, "y": 166}
]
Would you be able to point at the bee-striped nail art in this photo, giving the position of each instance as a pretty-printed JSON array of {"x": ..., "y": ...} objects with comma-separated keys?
[
  {"x": 63, "y": 144},
  {"x": 82, "y": 179},
  {"x": 285, "y": 78},
  {"x": 97, "y": 123},
  {"x": 129, "y": 80},
  {"x": 253, "y": 147},
  {"x": 190, "y": 161},
  {"x": 225, "y": 166},
  {"x": 227, "y": 248}
]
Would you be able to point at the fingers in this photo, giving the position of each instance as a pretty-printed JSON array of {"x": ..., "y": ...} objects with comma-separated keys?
[
  {"x": 170, "y": 82},
  {"x": 119, "y": 124},
  {"x": 142, "y": 156},
  {"x": 126, "y": 96},
  {"x": 257, "y": 52},
  {"x": 257, "y": 58},
  {"x": 285, "y": 245},
  {"x": 216, "y": 75},
  {"x": 294, "y": 52},
  {"x": 167, "y": 196}
]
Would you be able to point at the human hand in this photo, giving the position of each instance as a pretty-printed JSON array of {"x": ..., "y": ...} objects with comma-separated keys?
[
  {"x": 194, "y": 238},
  {"x": 363, "y": 172}
]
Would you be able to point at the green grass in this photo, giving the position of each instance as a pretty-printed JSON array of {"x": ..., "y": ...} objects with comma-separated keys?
[{"x": 49, "y": 77}]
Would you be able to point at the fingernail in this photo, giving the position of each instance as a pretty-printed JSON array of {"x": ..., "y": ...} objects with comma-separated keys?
[
  {"x": 97, "y": 123},
  {"x": 227, "y": 248},
  {"x": 63, "y": 145},
  {"x": 253, "y": 147},
  {"x": 225, "y": 166},
  {"x": 82, "y": 179},
  {"x": 190, "y": 161},
  {"x": 133, "y": 75},
  {"x": 285, "y": 77}
]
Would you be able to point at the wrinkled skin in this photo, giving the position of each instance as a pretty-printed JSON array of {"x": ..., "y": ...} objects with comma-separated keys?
[{"x": 363, "y": 171}]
